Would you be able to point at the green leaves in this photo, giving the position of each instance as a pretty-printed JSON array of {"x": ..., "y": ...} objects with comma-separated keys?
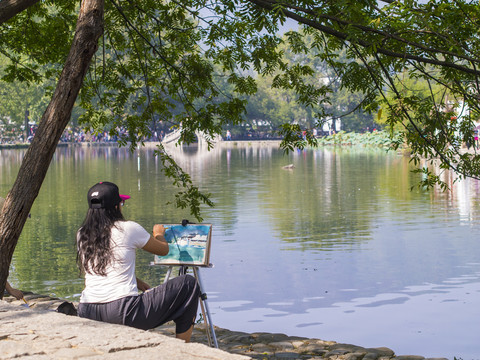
[
  {"x": 197, "y": 62},
  {"x": 190, "y": 196},
  {"x": 295, "y": 138}
]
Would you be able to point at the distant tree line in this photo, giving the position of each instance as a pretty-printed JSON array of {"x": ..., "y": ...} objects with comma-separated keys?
[{"x": 266, "y": 110}]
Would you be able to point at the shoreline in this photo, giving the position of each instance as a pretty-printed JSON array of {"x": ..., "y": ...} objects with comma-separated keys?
[
  {"x": 146, "y": 144},
  {"x": 240, "y": 345}
]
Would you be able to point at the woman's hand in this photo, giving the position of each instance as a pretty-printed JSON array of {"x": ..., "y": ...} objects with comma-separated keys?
[
  {"x": 142, "y": 285},
  {"x": 157, "y": 244},
  {"x": 17, "y": 294},
  {"x": 158, "y": 230}
]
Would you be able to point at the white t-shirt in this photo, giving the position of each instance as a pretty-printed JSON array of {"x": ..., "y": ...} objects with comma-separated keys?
[{"x": 120, "y": 281}]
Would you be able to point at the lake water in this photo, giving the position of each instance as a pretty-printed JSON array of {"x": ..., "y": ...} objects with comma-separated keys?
[{"x": 338, "y": 248}]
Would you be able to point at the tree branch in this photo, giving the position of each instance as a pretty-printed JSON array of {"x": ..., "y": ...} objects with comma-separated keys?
[
  {"x": 10, "y": 8},
  {"x": 366, "y": 44}
]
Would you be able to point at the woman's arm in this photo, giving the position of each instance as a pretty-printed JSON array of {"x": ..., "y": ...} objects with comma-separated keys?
[
  {"x": 14, "y": 292},
  {"x": 157, "y": 244}
]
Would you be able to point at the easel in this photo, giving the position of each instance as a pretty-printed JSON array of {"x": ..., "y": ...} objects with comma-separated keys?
[{"x": 212, "y": 339}]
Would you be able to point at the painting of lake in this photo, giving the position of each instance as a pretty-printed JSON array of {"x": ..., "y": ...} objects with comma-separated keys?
[{"x": 188, "y": 244}]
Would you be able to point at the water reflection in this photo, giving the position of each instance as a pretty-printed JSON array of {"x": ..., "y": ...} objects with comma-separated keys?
[{"x": 339, "y": 247}]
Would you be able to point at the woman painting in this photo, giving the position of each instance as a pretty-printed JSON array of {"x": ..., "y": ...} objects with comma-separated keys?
[{"x": 106, "y": 245}]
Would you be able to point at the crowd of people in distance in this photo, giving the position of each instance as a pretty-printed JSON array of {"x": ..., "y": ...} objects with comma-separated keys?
[{"x": 71, "y": 135}]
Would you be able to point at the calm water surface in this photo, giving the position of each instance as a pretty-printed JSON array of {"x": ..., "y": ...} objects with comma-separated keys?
[{"x": 339, "y": 248}]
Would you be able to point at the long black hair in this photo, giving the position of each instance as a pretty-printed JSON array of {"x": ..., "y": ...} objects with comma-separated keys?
[{"x": 94, "y": 252}]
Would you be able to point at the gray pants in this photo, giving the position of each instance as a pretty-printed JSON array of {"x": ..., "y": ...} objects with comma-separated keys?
[{"x": 175, "y": 300}]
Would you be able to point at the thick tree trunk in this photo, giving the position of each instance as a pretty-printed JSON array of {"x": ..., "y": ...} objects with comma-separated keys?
[
  {"x": 37, "y": 158},
  {"x": 10, "y": 8}
]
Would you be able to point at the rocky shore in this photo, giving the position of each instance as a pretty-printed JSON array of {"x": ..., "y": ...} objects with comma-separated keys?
[{"x": 234, "y": 344}]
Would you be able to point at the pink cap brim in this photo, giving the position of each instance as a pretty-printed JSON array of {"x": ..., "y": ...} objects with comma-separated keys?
[{"x": 124, "y": 197}]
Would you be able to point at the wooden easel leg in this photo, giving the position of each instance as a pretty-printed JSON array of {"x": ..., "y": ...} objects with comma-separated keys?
[
  {"x": 168, "y": 274},
  {"x": 205, "y": 311},
  {"x": 209, "y": 328}
]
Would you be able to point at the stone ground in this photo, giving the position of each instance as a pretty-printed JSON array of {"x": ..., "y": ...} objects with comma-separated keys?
[{"x": 40, "y": 333}]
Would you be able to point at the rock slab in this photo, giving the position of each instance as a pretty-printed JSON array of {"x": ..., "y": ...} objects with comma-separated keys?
[
  {"x": 39, "y": 332},
  {"x": 44, "y": 334}
]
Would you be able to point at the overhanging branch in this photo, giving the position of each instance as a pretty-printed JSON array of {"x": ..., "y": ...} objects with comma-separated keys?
[
  {"x": 10, "y": 8},
  {"x": 363, "y": 43}
]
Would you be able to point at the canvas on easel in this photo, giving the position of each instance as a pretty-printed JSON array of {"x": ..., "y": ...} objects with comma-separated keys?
[{"x": 188, "y": 245}]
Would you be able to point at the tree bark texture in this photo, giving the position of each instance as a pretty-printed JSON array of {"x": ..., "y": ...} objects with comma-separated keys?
[
  {"x": 10, "y": 8},
  {"x": 56, "y": 117}
]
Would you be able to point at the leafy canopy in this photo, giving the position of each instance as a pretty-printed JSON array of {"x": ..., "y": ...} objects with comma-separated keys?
[{"x": 163, "y": 59}]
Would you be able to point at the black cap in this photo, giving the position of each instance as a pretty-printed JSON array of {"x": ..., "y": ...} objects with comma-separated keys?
[{"x": 105, "y": 195}]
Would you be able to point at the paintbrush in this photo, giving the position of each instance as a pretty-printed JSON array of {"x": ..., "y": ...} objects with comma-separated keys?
[{"x": 25, "y": 301}]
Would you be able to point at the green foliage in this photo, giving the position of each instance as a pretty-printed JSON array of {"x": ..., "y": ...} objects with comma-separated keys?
[
  {"x": 18, "y": 101},
  {"x": 293, "y": 137},
  {"x": 190, "y": 196},
  {"x": 38, "y": 39},
  {"x": 197, "y": 63},
  {"x": 375, "y": 139}
]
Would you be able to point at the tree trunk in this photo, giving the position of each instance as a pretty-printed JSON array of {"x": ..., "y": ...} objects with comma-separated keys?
[
  {"x": 56, "y": 117},
  {"x": 10, "y": 8}
]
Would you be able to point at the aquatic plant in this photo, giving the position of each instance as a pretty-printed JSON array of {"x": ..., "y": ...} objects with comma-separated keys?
[{"x": 376, "y": 138}]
